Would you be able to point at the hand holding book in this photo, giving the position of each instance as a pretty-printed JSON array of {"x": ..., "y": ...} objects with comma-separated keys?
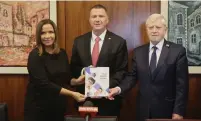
[{"x": 96, "y": 82}]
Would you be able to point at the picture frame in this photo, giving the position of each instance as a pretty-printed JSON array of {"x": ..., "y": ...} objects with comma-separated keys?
[
  {"x": 193, "y": 69},
  {"x": 23, "y": 70}
]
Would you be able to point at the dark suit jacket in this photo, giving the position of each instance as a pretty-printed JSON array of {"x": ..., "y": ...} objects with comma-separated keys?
[
  {"x": 113, "y": 55},
  {"x": 166, "y": 90}
]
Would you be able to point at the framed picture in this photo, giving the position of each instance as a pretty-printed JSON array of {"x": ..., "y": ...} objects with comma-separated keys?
[
  {"x": 18, "y": 21},
  {"x": 184, "y": 27}
]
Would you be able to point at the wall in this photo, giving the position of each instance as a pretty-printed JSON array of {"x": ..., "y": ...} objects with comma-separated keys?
[{"x": 127, "y": 20}]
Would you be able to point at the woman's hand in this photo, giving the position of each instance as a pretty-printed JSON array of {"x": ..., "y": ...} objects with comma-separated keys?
[{"x": 78, "y": 96}]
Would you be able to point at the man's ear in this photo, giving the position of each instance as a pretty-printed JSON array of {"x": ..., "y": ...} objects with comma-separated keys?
[{"x": 108, "y": 20}]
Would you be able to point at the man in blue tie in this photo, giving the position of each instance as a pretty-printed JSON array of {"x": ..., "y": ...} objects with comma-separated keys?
[{"x": 161, "y": 67}]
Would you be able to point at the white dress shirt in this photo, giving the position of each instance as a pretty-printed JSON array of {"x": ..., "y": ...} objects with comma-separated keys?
[
  {"x": 158, "y": 53},
  {"x": 158, "y": 50},
  {"x": 93, "y": 41}
]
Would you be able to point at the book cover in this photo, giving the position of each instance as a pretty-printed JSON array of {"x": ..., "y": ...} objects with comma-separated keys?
[{"x": 96, "y": 81}]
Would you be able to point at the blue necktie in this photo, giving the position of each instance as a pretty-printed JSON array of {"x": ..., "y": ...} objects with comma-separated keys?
[{"x": 153, "y": 60}]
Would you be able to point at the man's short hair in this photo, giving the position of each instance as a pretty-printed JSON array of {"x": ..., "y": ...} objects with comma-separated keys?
[
  {"x": 98, "y": 6},
  {"x": 155, "y": 17}
]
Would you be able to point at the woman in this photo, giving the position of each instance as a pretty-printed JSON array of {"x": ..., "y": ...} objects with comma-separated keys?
[{"x": 48, "y": 69}]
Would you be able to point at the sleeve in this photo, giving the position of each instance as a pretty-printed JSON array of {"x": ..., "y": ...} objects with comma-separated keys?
[
  {"x": 76, "y": 66},
  {"x": 182, "y": 83},
  {"x": 68, "y": 72},
  {"x": 130, "y": 78},
  {"x": 38, "y": 75},
  {"x": 121, "y": 65}
]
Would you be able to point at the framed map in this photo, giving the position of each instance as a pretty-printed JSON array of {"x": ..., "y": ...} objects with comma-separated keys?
[
  {"x": 184, "y": 27},
  {"x": 18, "y": 21}
]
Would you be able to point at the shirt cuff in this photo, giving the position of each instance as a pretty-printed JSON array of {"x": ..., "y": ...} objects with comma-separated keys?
[{"x": 119, "y": 89}]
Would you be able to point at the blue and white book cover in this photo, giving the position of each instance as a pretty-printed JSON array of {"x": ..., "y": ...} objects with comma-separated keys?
[{"x": 96, "y": 81}]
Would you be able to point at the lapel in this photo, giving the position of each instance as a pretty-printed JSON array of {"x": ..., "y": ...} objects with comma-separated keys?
[
  {"x": 146, "y": 59},
  {"x": 161, "y": 61},
  {"x": 87, "y": 47},
  {"x": 105, "y": 47}
]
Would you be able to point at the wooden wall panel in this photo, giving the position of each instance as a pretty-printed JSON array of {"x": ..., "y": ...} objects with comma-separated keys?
[
  {"x": 61, "y": 22},
  {"x": 194, "y": 105},
  {"x": 12, "y": 91},
  {"x": 127, "y": 20},
  {"x": 76, "y": 21}
]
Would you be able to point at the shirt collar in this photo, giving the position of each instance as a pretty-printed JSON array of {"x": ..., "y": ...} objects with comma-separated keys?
[
  {"x": 102, "y": 36},
  {"x": 159, "y": 45}
]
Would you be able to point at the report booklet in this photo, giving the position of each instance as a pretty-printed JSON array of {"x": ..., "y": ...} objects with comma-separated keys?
[{"x": 96, "y": 81}]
